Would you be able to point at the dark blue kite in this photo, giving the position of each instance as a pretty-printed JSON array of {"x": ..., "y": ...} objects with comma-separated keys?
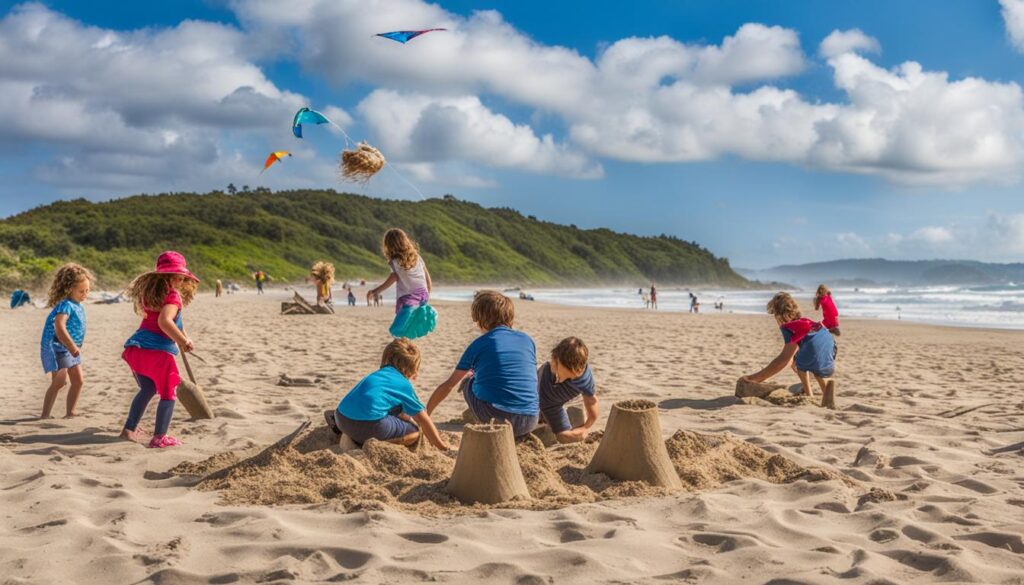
[{"x": 404, "y": 36}]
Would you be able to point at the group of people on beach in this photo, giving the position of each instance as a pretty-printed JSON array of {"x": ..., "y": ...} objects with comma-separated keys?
[{"x": 497, "y": 373}]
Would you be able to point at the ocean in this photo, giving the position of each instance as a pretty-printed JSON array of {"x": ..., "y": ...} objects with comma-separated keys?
[{"x": 998, "y": 307}]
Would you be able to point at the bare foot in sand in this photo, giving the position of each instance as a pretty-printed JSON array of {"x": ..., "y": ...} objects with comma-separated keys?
[
  {"x": 71, "y": 415},
  {"x": 135, "y": 436},
  {"x": 45, "y": 416},
  {"x": 828, "y": 395}
]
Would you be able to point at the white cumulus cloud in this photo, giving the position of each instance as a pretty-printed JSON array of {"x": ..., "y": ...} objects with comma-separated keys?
[
  {"x": 135, "y": 110},
  {"x": 1013, "y": 17},
  {"x": 848, "y": 41},
  {"x": 417, "y": 127}
]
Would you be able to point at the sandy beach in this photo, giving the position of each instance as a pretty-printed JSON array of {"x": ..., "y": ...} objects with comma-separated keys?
[{"x": 920, "y": 475}]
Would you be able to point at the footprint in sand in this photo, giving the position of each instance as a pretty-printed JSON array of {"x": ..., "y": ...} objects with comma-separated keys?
[{"x": 424, "y": 537}]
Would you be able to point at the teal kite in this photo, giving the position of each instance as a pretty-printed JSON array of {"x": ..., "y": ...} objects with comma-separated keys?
[{"x": 307, "y": 116}]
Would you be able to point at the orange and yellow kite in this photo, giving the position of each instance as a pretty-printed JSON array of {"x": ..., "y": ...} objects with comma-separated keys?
[{"x": 274, "y": 157}]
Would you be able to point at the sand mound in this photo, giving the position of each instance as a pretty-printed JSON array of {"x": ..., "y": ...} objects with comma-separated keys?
[{"x": 307, "y": 467}]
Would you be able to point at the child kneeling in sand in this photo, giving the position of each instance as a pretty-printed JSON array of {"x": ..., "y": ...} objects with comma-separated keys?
[
  {"x": 812, "y": 346},
  {"x": 384, "y": 405},
  {"x": 561, "y": 380},
  {"x": 498, "y": 371}
]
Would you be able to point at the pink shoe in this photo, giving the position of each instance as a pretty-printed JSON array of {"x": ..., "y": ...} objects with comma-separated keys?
[{"x": 161, "y": 441}]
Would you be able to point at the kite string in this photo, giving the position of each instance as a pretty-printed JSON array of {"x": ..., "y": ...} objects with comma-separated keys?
[
  {"x": 349, "y": 141},
  {"x": 407, "y": 181}
]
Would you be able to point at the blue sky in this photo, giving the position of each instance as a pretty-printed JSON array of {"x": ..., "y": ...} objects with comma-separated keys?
[{"x": 725, "y": 122}]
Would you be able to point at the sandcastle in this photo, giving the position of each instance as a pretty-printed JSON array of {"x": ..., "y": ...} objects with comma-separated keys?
[
  {"x": 632, "y": 447},
  {"x": 747, "y": 389},
  {"x": 487, "y": 468}
]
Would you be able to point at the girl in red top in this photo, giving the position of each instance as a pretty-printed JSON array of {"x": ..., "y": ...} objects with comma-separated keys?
[
  {"x": 159, "y": 297},
  {"x": 829, "y": 312}
]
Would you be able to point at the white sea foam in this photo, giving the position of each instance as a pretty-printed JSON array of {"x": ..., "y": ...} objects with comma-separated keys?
[{"x": 989, "y": 306}]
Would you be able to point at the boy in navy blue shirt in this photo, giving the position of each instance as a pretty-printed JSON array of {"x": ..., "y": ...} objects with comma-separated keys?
[
  {"x": 560, "y": 381},
  {"x": 498, "y": 371},
  {"x": 384, "y": 405}
]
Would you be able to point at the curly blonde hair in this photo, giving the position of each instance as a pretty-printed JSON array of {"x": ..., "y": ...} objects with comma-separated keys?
[
  {"x": 148, "y": 291},
  {"x": 822, "y": 292},
  {"x": 398, "y": 246},
  {"x": 784, "y": 307},
  {"x": 65, "y": 280},
  {"x": 323, "y": 271}
]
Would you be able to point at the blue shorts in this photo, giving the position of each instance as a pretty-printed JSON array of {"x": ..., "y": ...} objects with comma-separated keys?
[
  {"x": 388, "y": 428},
  {"x": 829, "y": 370},
  {"x": 64, "y": 358},
  {"x": 522, "y": 424}
]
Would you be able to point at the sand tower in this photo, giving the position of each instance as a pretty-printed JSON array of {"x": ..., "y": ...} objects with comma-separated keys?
[
  {"x": 632, "y": 447},
  {"x": 487, "y": 468}
]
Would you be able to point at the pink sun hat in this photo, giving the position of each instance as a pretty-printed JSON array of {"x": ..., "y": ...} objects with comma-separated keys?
[{"x": 171, "y": 262}]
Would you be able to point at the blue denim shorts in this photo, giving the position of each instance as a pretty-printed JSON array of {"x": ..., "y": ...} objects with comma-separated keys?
[
  {"x": 64, "y": 357},
  {"x": 386, "y": 429}
]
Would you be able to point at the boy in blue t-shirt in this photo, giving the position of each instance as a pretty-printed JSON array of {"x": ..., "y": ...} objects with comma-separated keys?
[
  {"x": 810, "y": 347},
  {"x": 560, "y": 381},
  {"x": 384, "y": 405},
  {"x": 498, "y": 371}
]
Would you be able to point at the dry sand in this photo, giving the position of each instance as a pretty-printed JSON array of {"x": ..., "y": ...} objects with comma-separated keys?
[{"x": 916, "y": 478}]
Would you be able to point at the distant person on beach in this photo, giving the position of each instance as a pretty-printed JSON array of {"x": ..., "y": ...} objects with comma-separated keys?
[
  {"x": 160, "y": 297},
  {"x": 566, "y": 376},
  {"x": 654, "y": 297},
  {"x": 384, "y": 405},
  {"x": 647, "y": 301},
  {"x": 808, "y": 345},
  {"x": 352, "y": 298},
  {"x": 218, "y": 288},
  {"x": 60, "y": 347},
  {"x": 829, "y": 312},
  {"x": 378, "y": 300},
  {"x": 694, "y": 304},
  {"x": 260, "y": 277},
  {"x": 322, "y": 275},
  {"x": 497, "y": 374},
  {"x": 411, "y": 275}
]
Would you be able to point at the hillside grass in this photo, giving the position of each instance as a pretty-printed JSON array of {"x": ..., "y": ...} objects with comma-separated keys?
[{"x": 229, "y": 236}]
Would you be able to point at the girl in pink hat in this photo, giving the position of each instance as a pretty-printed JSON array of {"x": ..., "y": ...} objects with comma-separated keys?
[{"x": 159, "y": 297}]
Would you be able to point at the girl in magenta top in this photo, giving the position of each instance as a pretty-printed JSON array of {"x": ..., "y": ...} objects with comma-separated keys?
[
  {"x": 159, "y": 296},
  {"x": 829, "y": 312}
]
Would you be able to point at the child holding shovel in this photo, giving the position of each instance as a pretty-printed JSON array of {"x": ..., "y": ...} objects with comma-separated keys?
[{"x": 159, "y": 296}]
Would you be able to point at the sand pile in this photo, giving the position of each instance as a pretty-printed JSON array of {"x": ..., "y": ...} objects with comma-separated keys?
[{"x": 307, "y": 467}]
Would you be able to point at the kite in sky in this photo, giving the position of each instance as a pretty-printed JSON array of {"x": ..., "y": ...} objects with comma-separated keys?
[
  {"x": 307, "y": 116},
  {"x": 274, "y": 157},
  {"x": 404, "y": 36}
]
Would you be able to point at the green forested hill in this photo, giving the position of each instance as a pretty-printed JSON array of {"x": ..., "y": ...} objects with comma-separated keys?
[{"x": 229, "y": 236}]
